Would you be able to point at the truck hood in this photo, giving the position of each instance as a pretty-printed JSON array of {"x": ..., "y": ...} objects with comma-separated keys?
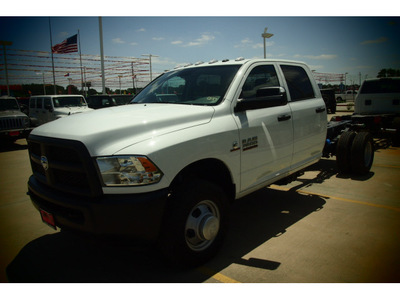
[
  {"x": 11, "y": 113},
  {"x": 109, "y": 130},
  {"x": 71, "y": 110}
]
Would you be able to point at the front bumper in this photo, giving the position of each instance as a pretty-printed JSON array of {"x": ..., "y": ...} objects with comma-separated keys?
[
  {"x": 15, "y": 133},
  {"x": 135, "y": 216}
]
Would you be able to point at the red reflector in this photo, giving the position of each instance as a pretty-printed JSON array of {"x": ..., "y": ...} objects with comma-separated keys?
[
  {"x": 377, "y": 120},
  {"x": 338, "y": 118},
  {"x": 48, "y": 218}
]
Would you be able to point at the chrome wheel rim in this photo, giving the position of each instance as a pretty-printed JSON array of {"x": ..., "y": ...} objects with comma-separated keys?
[{"x": 202, "y": 225}]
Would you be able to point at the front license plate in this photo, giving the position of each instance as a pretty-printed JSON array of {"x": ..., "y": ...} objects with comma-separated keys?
[
  {"x": 13, "y": 133},
  {"x": 48, "y": 218}
]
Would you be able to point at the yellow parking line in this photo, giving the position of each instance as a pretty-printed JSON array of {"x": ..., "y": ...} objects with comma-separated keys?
[
  {"x": 339, "y": 198},
  {"x": 225, "y": 279},
  {"x": 386, "y": 166},
  {"x": 217, "y": 276}
]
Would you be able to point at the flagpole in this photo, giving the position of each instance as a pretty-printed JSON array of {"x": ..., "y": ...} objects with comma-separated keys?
[
  {"x": 80, "y": 57},
  {"x": 52, "y": 59}
]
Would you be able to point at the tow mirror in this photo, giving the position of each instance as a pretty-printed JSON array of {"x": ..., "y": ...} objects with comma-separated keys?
[{"x": 265, "y": 97}]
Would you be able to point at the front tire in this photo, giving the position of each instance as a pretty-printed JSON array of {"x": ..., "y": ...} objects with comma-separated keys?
[{"x": 195, "y": 223}]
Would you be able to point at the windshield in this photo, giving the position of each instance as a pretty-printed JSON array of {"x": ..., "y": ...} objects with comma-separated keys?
[
  {"x": 198, "y": 86},
  {"x": 9, "y": 104},
  {"x": 68, "y": 101}
]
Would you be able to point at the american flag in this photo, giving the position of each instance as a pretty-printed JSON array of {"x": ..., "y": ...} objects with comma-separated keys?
[{"x": 67, "y": 46}]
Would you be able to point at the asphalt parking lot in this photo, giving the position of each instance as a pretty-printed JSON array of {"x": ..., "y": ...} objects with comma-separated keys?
[{"x": 322, "y": 228}]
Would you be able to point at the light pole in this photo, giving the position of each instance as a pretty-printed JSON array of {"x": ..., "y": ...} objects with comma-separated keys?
[
  {"x": 4, "y": 44},
  {"x": 119, "y": 77},
  {"x": 133, "y": 80},
  {"x": 103, "y": 78},
  {"x": 150, "y": 56},
  {"x": 44, "y": 84},
  {"x": 266, "y": 35}
]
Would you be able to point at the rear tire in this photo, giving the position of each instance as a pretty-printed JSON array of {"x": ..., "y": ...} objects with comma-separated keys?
[
  {"x": 195, "y": 223},
  {"x": 362, "y": 153},
  {"x": 343, "y": 152}
]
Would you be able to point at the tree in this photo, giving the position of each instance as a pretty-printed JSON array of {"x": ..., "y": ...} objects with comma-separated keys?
[
  {"x": 72, "y": 90},
  {"x": 388, "y": 73}
]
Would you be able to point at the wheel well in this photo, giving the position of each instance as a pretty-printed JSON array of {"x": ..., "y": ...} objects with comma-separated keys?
[{"x": 211, "y": 170}]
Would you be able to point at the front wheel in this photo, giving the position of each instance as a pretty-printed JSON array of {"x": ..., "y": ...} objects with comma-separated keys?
[{"x": 195, "y": 223}]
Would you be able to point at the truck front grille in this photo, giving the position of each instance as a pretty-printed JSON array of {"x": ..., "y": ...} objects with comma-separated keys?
[
  {"x": 12, "y": 123},
  {"x": 63, "y": 165}
]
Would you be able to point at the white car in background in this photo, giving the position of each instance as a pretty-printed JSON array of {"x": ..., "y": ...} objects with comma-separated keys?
[{"x": 43, "y": 109}]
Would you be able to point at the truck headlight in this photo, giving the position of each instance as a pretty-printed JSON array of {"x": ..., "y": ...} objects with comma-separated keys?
[{"x": 128, "y": 170}]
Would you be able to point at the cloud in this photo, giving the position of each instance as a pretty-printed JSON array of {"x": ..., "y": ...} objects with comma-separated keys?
[
  {"x": 164, "y": 63},
  {"x": 118, "y": 41},
  {"x": 318, "y": 57},
  {"x": 133, "y": 44},
  {"x": 316, "y": 67},
  {"x": 261, "y": 45},
  {"x": 246, "y": 42},
  {"x": 204, "y": 39},
  {"x": 64, "y": 34},
  {"x": 141, "y": 30},
  {"x": 158, "y": 38},
  {"x": 377, "y": 41}
]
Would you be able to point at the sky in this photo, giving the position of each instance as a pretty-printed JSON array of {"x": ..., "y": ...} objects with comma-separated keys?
[{"x": 359, "y": 46}]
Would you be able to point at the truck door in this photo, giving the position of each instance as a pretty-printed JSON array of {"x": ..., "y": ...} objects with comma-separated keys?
[
  {"x": 266, "y": 133},
  {"x": 309, "y": 115},
  {"x": 32, "y": 111},
  {"x": 48, "y": 110},
  {"x": 40, "y": 111}
]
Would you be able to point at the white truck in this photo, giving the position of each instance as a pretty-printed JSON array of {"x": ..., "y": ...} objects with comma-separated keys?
[
  {"x": 377, "y": 109},
  {"x": 165, "y": 168},
  {"x": 346, "y": 96},
  {"x": 14, "y": 124},
  {"x": 47, "y": 108}
]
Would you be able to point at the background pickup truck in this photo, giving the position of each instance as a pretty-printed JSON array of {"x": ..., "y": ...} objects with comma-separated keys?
[
  {"x": 14, "y": 124},
  {"x": 165, "y": 168},
  {"x": 348, "y": 95}
]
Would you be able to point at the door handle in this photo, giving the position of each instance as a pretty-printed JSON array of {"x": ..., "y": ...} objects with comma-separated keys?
[
  {"x": 320, "y": 110},
  {"x": 284, "y": 117}
]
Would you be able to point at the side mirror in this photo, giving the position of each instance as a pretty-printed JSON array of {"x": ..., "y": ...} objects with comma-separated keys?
[{"x": 265, "y": 97}]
